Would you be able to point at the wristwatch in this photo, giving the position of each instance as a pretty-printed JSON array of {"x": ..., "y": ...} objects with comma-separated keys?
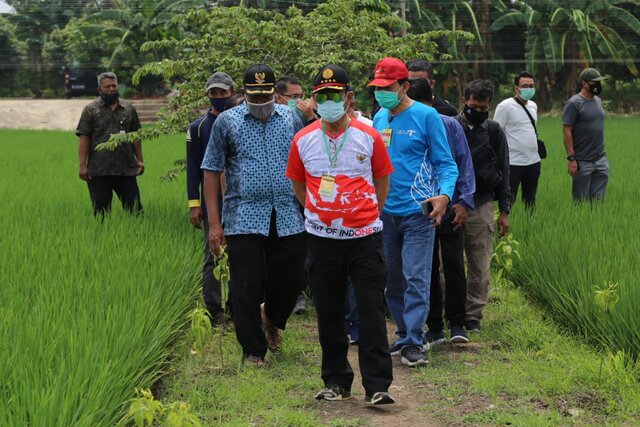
[{"x": 571, "y": 158}]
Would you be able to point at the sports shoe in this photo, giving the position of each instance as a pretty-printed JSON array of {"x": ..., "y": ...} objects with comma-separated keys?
[
  {"x": 473, "y": 325},
  {"x": 256, "y": 361},
  {"x": 271, "y": 332},
  {"x": 333, "y": 392},
  {"x": 432, "y": 338},
  {"x": 301, "y": 305},
  {"x": 380, "y": 398},
  {"x": 354, "y": 333},
  {"x": 394, "y": 349},
  {"x": 458, "y": 335},
  {"x": 412, "y": 355}
]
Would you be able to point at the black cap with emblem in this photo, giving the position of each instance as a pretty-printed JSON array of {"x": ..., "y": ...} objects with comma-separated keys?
[
  {"x": 331, "y": 77},
  {"x": 259, "y": 79}
]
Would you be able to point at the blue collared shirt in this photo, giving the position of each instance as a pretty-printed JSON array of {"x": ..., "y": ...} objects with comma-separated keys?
[
  {"x": 466, "y": 183},
  {"x": 254, "y": 156}
]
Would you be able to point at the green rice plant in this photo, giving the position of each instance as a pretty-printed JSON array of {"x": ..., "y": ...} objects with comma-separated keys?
[
  {"x": 90, "y": 311},
  {"x": 568, "y": 251},
  {"x": 144, "y": 410}
]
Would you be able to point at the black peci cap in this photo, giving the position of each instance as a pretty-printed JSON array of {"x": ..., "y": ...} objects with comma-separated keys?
[
  {"x": 259, "y": 79},
  {"x": 331, "y": 77}
]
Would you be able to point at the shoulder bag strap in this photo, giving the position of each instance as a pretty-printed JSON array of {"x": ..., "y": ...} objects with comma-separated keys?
[{"x": 528, "y": 114}]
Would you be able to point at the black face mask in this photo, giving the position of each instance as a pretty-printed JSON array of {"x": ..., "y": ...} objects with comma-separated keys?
[
  {"x": 474, "y": 116},
  {"x": 220, "y": 104},
  {"x": 595, "y": 88},
  {"x": 110, "y": 99}
]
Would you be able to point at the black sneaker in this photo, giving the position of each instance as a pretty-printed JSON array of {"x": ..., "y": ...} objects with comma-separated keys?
[
  {"x": 333, "y": 392},
  {"x": 301, "y": 305},
  {"x": 432, "y": 338},
  {"x": 473, "y": 325},
  {"x": 394, "y": 349},
  {"x": 380, "y": 398},
  {"x": 354, "y": 333},
  {"x": 458, "y": 335},
  {"x": 412, "y": 355}
]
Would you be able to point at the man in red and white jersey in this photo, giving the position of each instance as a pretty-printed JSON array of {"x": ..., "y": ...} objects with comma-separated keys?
[{"x": 340, "y": 170}]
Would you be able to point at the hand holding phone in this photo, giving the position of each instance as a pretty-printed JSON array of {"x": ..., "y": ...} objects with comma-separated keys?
[{"x": 427, "y": 208}]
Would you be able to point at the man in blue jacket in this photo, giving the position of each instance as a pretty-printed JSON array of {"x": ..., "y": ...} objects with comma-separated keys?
[
  {"x": 219, "y": 89},
  {"x": 421, "y": 187},
  {"x": 449, "y": 240}
]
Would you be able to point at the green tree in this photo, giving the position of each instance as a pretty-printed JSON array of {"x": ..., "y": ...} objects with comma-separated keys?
[
  {"x": 563, "y": 35},
  {"x": 11, "y": 55},
  {"x": 232, "y": 38},
  {"x": 34, "y": 20}
]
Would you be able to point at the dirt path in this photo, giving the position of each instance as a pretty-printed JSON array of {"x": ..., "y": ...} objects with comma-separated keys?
[
  {"x": 58, "y": 114},
  {"x": 409, "y": 393}
]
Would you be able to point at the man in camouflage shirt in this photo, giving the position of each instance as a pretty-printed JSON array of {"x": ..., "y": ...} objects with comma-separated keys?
[{"x": 108, "y": 171}]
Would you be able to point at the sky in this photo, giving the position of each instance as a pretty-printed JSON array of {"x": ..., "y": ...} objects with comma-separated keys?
[{"x": 4, "y": 8}]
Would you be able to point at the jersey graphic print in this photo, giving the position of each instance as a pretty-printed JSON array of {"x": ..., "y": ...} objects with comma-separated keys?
[{"x": 349, "y": 209}]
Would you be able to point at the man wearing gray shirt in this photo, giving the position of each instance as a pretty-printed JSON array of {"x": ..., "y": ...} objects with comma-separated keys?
[{"x": 583, "y": 132}]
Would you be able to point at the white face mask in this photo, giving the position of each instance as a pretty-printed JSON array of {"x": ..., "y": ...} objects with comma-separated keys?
[{"x": 261, "y": 111}]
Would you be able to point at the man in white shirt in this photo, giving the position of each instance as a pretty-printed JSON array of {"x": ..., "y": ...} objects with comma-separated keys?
[{"x": 524, "y": 160}]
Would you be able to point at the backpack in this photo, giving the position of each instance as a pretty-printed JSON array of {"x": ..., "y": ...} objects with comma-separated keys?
[{"x": 485, "y": 161}]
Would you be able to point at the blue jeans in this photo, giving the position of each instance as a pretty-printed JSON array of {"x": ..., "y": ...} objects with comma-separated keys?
[{"x": 408, "y": 245}]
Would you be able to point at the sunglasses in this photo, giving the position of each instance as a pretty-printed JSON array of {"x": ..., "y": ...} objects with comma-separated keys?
[{"x": 328, "y": 96}]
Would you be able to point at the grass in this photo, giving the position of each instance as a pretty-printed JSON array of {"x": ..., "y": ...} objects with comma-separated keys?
[
  {"x": 579, "y": 261},
  {"x": 89, "y": 310},
  {"x": 92, "y": 311}
]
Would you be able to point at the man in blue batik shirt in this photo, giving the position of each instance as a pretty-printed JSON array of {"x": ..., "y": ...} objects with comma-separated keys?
[
  {"x": 421, "y": 187},
  {"x": 263, "y": 224},
  {"x": 449, "y": 239},
  {"x": 219, "y": 89}
]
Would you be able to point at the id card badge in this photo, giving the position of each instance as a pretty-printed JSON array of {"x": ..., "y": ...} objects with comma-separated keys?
[
  {"x": 386, "y": 137},
  {"x": 327, "y": 183}
]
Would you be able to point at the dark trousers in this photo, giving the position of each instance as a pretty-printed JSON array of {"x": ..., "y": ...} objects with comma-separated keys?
[
  {"x": 527, "y": 176},
  {"x": 211, "y": 287},
  {"x": 450, "y": 244},
  {"x": 329, "y": 263},
  {"x": 269, "y": 269},
  {"x": 101, "y": 190}
]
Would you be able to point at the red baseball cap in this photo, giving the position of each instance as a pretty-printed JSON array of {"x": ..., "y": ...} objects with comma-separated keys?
[{"x": 388, "y": 71}]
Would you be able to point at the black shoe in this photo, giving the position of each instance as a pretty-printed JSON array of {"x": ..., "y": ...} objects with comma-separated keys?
[
  {"x": 380, "y": 398},
  {"x": 394, "y": 349},
  {"x": 412, "y": 355},
  {"x": 333, "y": 392},
  {"x": 473, "y": 325},
  {"x": 301, "y": 305},
  {"x": 458, "y": 335},
  {"x": 432, "y": 338},
  {"x": 217, "y": 319},
  {"x": 354, "y": 333}
]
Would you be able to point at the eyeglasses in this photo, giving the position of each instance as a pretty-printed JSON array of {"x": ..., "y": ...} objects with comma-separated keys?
[
  {"x": 295, "y": 96},
  {"x": 328, "y": 96}
]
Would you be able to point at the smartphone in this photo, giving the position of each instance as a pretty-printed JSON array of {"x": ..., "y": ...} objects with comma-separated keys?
[{"x": 427, "y": 208}]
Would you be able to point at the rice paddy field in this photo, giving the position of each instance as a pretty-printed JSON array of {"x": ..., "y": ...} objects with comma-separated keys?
[
  {"x": 581, "y": 263},
  {"x": 91, "y": 311}
]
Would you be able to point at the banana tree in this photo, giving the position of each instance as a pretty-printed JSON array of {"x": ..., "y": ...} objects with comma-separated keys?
[{"x": 561, "y": 35}]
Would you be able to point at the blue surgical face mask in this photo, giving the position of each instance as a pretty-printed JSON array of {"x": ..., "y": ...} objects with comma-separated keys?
[
  {"x": 219, "y": 104},
  {"x": 387, "y": 98},
  {"x": 331, "y": 111},
  {"x": 527, "y": 93}
]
